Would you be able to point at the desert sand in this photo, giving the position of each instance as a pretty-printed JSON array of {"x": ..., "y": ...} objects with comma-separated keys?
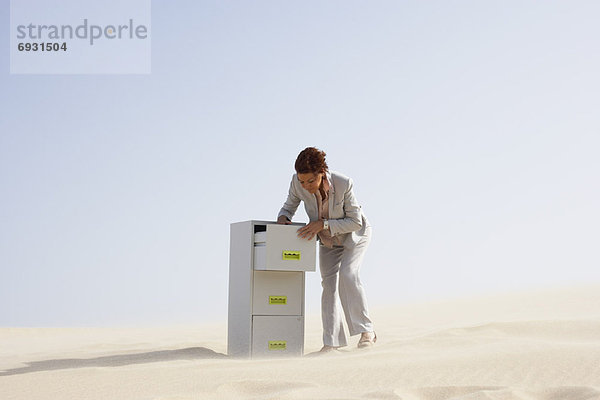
[{"x": 536, "y": 345}]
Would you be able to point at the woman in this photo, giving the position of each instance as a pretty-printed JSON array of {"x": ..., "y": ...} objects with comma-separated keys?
[{"x": 344, "y": 235}]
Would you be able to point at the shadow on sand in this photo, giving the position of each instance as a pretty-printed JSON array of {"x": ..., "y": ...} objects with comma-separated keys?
[{"x": 192, "y": 353}]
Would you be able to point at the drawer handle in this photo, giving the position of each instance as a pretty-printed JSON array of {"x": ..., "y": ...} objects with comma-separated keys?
[
  {"x": 291, "y": 255},
  {"x": 277, "y": 299},
  {"x": 277, "y": 344}
]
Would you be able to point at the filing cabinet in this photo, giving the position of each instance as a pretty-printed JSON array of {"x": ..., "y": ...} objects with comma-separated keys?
[{"x": 267, "y": 263}]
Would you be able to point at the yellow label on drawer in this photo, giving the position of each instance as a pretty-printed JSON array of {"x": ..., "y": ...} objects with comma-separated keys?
[
  {"x": 291, "y": 255},
  {"x": 277, "y": 344},
  {"x": 277, "y": 299}
]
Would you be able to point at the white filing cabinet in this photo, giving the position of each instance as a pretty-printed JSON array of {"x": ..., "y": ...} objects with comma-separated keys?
[{"x": 267, "y": 263}]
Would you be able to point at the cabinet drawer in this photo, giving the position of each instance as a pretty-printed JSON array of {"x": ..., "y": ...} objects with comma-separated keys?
[
  {"x": 280, "y": 249},
  {"x": 277, "y": 293},
  {"x": 277, "y": 336}
]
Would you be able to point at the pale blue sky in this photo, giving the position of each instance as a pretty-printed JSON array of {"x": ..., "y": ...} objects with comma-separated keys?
[{"x": 471, "y": 130}]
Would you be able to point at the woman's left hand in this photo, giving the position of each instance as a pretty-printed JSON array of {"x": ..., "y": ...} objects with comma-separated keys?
[{"x": 309, "y": 231}]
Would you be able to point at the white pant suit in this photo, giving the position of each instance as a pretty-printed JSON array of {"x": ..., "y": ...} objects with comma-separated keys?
[
  {"x": 339, "y": 262},
  {"x": 339, "y": 277}
]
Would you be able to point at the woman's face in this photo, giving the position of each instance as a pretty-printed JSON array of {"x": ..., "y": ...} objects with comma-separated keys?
[{"x": 311, "y": 181}]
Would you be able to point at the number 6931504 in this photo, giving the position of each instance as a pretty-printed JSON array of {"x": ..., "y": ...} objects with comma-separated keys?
[{"x": 42, "y": 46}]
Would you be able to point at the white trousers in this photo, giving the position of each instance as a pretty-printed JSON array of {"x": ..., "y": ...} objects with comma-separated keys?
[{"x": 339, "y": 277}]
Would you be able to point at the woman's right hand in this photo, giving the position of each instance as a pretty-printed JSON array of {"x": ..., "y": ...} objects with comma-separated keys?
[{"x": 283, "y": 220}]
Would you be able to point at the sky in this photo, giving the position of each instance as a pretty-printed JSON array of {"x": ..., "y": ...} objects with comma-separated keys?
[{"x": 470, "y": 129}]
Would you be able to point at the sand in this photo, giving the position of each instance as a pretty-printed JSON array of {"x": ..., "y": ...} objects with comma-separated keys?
[{"x": 535, "y": 345}]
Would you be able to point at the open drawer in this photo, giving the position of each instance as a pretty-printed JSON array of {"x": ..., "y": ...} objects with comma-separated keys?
[{"x": 278, "y": 248}]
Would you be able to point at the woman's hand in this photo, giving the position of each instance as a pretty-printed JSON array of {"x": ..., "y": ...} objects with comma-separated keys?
[
  {"x": 309, "y": 231},
  {"x": 283, "y": 220}
]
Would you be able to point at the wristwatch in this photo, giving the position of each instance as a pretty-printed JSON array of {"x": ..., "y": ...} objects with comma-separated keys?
[{"x": 325, "y": 224}]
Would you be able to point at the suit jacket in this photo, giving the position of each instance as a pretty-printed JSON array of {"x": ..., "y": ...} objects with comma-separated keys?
[{"x": 346, "y": 218}]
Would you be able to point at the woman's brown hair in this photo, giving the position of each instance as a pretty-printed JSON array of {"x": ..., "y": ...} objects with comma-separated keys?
[{"x": 311, "y": 160}]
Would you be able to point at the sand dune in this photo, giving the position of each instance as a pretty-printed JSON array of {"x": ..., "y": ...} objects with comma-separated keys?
[{"x": 541, "y": 345}]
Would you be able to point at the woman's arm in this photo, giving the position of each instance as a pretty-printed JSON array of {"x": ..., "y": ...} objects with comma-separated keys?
[{"x": 291, "y": 204}]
